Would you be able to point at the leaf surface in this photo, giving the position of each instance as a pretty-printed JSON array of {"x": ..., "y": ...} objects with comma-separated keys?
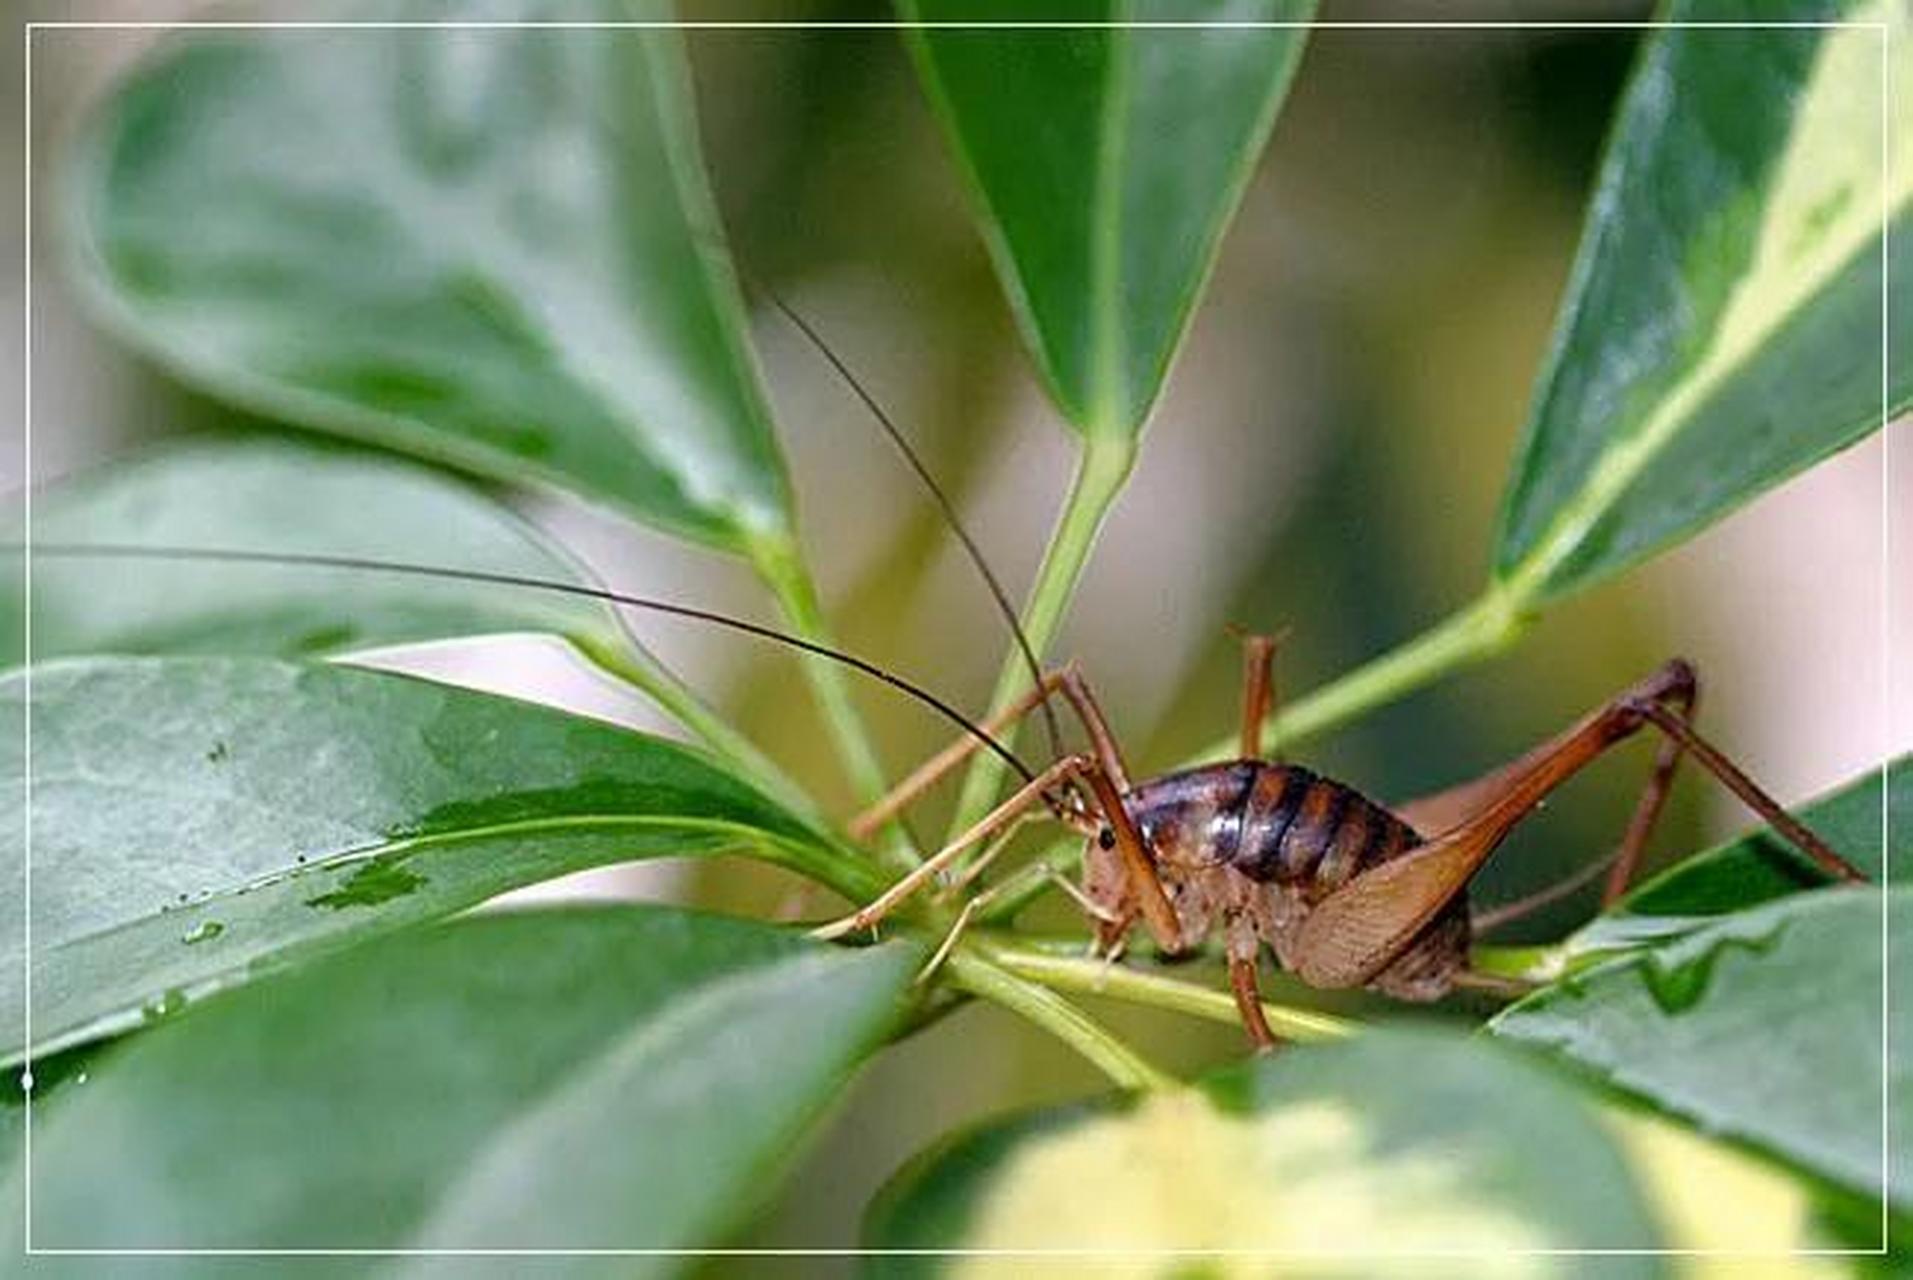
[
  {"x": 1395, "y": 1141},
  {"x": 1768, "y": 1027},
  {"x": 1723, "y": 325},
  {"x": 490, "y": 247},
  {"x": 1761, "y": 866},
  {"x": 197, "y": 821},
  {"x": 1104, "y": 164},
  {"x": 577, "y": 1078},
  {"x": 259, "y": 494}
]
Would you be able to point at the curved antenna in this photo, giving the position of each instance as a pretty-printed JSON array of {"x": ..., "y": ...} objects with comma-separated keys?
[
  {"x": 944, "y": 504},
  {"x": 235, "y": 555}
]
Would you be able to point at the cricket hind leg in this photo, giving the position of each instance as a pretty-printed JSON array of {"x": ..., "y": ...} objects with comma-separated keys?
[
  {"x": 1675, "y": 689},
  {"x": 1675, "y": 692},
  {"x": 1358, "y": 930}
]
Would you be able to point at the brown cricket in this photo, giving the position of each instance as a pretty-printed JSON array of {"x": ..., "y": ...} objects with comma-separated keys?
[{"x": 1347, "y": 891}]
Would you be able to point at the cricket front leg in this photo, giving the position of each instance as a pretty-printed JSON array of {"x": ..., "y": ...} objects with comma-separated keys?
[
  {"x": 1118, "y": 830},
  {"x": 1029, "y": 795}
]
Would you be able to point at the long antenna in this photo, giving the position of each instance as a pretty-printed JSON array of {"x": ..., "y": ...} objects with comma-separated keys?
[
  {"x": 944, "y": 504},
  {"x": 234, "y": 555}
]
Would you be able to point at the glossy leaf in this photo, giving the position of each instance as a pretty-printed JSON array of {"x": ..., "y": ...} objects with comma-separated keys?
[
  {"x": 1104, "y": 164},
  {"x": 198, "y": 820},
  {"x": 1765, "y": 1027},
  {"x": 1722, "y": 328},
  {"x": 1762, "y": 866},
  {"x": 578, "y": 1079},
  {"x": 493, "y": 248},
  {"x": 259, "y": 494},
  {"x": 1393, "y": 1142}
]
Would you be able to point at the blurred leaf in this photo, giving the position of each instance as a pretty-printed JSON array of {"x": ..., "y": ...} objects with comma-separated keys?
[
  {"x": 1709, "y": 1196},
  {"x": 197, "y": 820},
  {"x": 493, "y": 248},
  {"x": 1764, "y": 1027},
  {"x": 1762, "y": 866},
  {"x": 1104, "y": 164},
  {"x": 1722, "y": 329},
  {"x": 539, "y": 1079},
  {"x": 265, "y": 495},
  {"x": 1396, "y": 1141}
]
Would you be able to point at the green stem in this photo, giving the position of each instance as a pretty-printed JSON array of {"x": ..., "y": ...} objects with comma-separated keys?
[
  {"x": 1139, "y": 986},
  {"x": 1485, "y": 627},
  {"x": 1528, "y": 964},
  {"x": 1059, "y": 1017},
  {"x": 782, "y": 569},
  {"x": 1100, "y": 474},
  {"x": 637, "y": 666}
]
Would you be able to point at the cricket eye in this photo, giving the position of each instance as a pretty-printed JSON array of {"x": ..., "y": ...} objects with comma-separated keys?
[{"x": 1105, "y": 839}]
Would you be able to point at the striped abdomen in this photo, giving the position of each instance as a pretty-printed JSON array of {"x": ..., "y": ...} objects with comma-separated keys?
[{"x": 1274, "y": 823}]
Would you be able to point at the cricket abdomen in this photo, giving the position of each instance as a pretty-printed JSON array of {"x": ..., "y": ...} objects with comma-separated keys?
[
  {"x": 1274, "y": 823},
  {"x": 1301, "y": 837},
  {"x": 1311, "y": 833}
]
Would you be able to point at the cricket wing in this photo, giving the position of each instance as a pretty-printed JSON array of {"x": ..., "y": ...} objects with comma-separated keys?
[{"x": 1355, "y": 932}]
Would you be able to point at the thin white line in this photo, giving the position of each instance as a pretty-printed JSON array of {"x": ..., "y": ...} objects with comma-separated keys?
[
  {"x": 897, "y": 24},
  {"x": 26, "y": 648},
  {"x": 1886, "y": 623},
  {"x": 1885, "y": 31},
  {"x": 958, "y": 1253}
]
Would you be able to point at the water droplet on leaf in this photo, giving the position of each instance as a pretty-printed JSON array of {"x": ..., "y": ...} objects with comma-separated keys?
[{"x": 204, "y": 931}]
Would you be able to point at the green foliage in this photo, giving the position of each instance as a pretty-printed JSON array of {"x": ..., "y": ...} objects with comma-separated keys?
[
  {"x": 495, "y": 250},
  {"x": 1761, "y": 867},
  {"x": 1723, "y": 326},
  {"x": 237, "y": 494},
  {"x": 539, "y": 1079},
  {"x": 1104, "y": 163},
  {"x": 1766, "y": 1026},
  {"x": 1320, "y": 1150},
  {"x": 252, "y": 809},
  {"x": 498, "y": 251}
]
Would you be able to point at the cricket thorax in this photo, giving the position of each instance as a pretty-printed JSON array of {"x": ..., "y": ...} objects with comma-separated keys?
[{"x": 1274, "y": 840}]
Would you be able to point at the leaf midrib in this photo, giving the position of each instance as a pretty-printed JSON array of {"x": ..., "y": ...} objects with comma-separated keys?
[{"x": 1624, "y": 461}]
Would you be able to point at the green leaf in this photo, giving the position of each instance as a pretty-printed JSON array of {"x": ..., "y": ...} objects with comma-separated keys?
[
  {"x": 590, "y": 1078},
  {"x": 1396, "y": 1141},
  {"x": 1104, "y": 164},
  {"x": 1761, "y": 866},
  {"x": 493, "y": 248},
  {"x": 1765, "y": 1027},
  {"x": 198, "y": 820},
  {"x": 1722, "y": 329},
  {"x": 259, "y": 494}
]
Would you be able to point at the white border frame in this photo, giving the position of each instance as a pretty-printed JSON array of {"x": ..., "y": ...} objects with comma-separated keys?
[{"x": 1886, "y": 635}]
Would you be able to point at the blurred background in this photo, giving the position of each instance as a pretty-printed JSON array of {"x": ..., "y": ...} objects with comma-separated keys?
[{"x": 1328, "y": 458}]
